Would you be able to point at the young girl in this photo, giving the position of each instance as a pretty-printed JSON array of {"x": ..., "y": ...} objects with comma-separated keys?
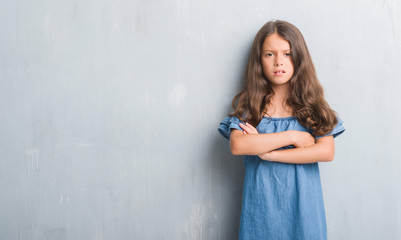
[{"x": 295, "y": 129}]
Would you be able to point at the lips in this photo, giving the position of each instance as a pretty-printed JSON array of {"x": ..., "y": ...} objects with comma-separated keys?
[{"x": 279, "y": 71}]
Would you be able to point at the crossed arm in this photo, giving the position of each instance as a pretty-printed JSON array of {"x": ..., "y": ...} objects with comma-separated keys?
[
  {"x": 249, "y": 142},
  {"x": 321, "y": 151}
]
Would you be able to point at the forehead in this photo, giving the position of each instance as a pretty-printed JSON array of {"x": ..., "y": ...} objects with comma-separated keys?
[{"x": 275, "y": 42}]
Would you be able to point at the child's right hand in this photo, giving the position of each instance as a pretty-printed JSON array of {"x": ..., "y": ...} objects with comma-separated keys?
[
  {"x": 248, "y": 128},
  {"x": 302, "y": 139}
]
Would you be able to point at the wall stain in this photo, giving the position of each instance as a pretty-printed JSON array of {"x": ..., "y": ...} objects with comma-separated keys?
[
  {"x": 390, "y": 6},
  {"x": 195, "y": 226}
]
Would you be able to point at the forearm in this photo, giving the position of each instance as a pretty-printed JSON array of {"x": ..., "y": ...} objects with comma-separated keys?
[
  {"x": 255, "y": 144},
  {"x": 316, "y": 153}
]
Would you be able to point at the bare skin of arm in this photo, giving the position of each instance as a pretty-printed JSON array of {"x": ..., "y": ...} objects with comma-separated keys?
[
  {"x": 249, "y": 142},
  {"x": 322, "y": 151}
]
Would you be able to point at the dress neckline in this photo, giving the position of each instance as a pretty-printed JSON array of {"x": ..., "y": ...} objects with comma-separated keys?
[{"x": 280, "y": 118}]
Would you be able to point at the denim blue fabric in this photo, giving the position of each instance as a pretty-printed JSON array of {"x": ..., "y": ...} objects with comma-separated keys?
[{"x": 280, "y": 201}]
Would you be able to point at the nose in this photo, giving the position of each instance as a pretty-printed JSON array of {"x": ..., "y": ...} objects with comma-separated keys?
[{"x": 278, "y": 61}]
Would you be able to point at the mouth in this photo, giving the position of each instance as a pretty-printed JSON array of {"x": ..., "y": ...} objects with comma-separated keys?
[{"x": 279, "y": 72}]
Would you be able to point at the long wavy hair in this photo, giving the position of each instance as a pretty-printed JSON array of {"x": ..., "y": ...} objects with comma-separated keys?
[{"x": 306, "y": 95}]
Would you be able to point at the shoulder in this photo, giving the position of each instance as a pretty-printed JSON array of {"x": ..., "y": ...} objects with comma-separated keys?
[{"x": 228, "y": 124}]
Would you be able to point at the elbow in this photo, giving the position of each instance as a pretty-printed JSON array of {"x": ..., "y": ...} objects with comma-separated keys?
[
  {"x": 329, "y": 156},
  {"x": 234, "y": 147},
  {"x": 326, "y": 151}
]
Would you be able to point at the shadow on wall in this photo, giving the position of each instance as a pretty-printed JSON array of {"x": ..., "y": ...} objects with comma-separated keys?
[
  {"x": 226, "y": 182},
  {"x": 226, "y": 178}
]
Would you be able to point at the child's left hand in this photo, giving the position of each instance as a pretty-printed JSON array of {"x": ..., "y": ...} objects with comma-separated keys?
[
  {"x": 248, "y": 128},
  {"x": 267, "y": 156}
]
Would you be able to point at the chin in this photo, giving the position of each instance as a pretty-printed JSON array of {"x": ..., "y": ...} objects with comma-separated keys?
[{"x": 280, "y": 83}]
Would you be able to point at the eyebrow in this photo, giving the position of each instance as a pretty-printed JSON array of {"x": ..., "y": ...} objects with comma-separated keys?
[{"x": 275, "y": 51}]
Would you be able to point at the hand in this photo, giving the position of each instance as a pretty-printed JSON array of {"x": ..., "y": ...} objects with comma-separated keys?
[
  {"x": 248, "y": 128},
  {"x": 267, "y": 156},
  {"x": 302, "y": 139}
]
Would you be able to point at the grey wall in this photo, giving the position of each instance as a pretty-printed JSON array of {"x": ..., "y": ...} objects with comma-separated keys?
[{"x": 109, "y": 115}]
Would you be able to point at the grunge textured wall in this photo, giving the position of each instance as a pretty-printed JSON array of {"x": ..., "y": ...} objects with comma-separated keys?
[{"x": 110, "y": 109}]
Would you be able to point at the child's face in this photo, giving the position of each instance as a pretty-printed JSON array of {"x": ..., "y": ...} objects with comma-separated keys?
[{"x": 277, "y": 64}]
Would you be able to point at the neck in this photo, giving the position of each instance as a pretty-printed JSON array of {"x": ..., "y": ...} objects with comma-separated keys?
[
  {"x": 278, "y": 106},
  {"x": 281, "y": 92}
]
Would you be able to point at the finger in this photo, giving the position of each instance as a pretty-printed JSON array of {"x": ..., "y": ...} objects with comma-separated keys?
[
  {"x": 252, "y": 129},
  {"x": 250, "y": 126},
  {"x": 243, "y": 126}
]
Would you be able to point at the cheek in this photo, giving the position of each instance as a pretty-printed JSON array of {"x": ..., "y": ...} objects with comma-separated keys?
[
  {"x": 291, "y": 65},
  {"x": 266, "y": 66},
  {"x": 266, "y": 70}
]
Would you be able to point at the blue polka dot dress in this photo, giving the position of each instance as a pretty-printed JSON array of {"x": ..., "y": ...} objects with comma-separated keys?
[{"x": 280, "y": 201}]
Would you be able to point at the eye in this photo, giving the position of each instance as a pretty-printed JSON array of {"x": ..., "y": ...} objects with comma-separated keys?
[
  {"x": 287, "y": 54},
  {"x": 269, "y": 54}
]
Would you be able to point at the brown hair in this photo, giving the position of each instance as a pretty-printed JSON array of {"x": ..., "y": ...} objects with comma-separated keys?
[{"x": 306, "y": 97}]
